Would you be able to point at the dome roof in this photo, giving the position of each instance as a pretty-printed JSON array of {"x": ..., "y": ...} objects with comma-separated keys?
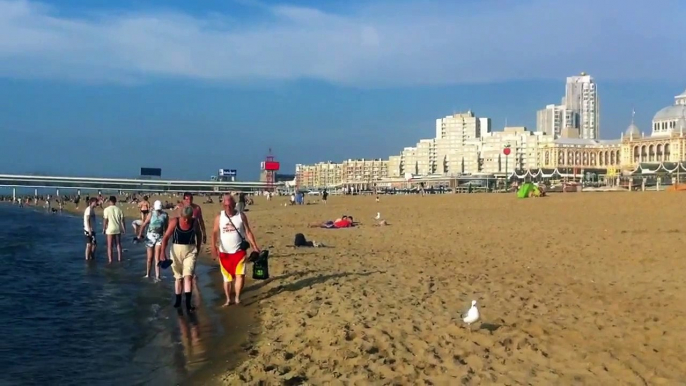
[
  {"x": 670, "y": 113},
  {"x": 633, "y": 131},
  {"x": 681, "y": 124}
]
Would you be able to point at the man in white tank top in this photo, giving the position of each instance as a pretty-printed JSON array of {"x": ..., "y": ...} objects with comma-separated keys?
[{"x": 231, "y": 238}]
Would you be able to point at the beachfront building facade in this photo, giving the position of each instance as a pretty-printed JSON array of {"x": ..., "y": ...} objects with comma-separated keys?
[
  {"x": 525, "y": 150},
  {"x": 666, "y": 142},
  {"x": 361, "y": 172},
  {"x": 465, "y": 144},
  {"x": 580, "y": 154}
]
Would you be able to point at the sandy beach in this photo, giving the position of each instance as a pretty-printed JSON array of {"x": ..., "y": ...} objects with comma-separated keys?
[{"x": 573, "y": 289}]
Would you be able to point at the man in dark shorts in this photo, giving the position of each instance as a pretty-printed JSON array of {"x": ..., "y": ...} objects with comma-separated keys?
[{"x": 88, "y": 226}]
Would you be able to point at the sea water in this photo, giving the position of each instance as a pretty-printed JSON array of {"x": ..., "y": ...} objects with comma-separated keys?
[{"x": 66, "y": 321}]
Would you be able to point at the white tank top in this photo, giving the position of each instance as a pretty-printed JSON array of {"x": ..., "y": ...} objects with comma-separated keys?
[{"x": 230, "y": 240}]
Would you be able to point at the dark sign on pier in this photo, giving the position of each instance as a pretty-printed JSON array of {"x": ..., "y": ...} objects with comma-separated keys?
[{"x": 151, "y": 172}]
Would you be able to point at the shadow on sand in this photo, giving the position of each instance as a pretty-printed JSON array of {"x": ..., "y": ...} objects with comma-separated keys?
[
  {"x": 492, "y": 327},
  {"x": 304, "y": 283},
  {"x": 263, "y": 283}
]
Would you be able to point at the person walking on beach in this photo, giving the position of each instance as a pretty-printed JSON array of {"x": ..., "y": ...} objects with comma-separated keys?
[
  {"x": 240, "y": 205},
  {"x": 113, "y": 226},
  {"x": 184, "y": 231},
  {"x": 156, "y": 222},
  {"x": 89, "y": 228},
  {"x": 197, "y": 213},
  {"x": 230, "y": 234}
]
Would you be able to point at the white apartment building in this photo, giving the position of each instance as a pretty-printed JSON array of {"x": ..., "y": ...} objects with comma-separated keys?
[
  {"x": 408, "y": 161},
  {"x": 582, "y": 105},
  {"x": 525, "y": 149},
  {"x": 456, "y": 142},
  {"x": 330, "y": 175},
  {"x": 550, "y": 120},
  {"x": 394, "y": 166}
]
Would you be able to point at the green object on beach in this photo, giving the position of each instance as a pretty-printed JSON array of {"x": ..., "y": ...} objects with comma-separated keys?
[{"x": 526, "y": 189}]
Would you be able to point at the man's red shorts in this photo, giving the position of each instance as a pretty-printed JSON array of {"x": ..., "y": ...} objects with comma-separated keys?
[{"x": 232, "y": 264}]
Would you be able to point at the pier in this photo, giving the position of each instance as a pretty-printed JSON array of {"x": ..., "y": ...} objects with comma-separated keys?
[{"x": 125, "y": 184}]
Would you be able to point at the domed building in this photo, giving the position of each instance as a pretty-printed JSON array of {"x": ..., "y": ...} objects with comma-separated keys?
[
  {"x": 666, "y": 142},
  {"x": 667, "y": 120},
  {"x": 632, "y": 131}
]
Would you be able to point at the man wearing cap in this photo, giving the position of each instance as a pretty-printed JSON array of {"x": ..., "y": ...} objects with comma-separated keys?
[{"x": 157, "y": 222}]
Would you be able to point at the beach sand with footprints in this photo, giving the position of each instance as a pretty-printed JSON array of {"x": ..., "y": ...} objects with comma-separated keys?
[{"x": 575, "y": 288}]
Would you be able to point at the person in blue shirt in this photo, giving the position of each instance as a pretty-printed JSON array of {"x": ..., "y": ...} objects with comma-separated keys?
[{"x": 156, "y": 222}]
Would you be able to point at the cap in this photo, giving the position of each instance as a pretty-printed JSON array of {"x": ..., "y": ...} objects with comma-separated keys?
[{"x": 157, "y": 205}]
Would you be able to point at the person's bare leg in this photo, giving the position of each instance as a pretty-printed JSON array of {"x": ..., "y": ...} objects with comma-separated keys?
[
  {"x": 93, "y": 248},
  {"x": 238, "y": 287},
  {"x": 89, "y": 247},
  {"x": 148, "y": 265},
  {"x": 158, "y": 250},
  {"x": 110, "y": 240},
  {"x": 117, "y": 238},
  {"x": 227, "y": 292}
]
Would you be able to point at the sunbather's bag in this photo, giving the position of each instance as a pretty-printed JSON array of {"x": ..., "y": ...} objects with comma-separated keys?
[{"x": 260, "y": 266}]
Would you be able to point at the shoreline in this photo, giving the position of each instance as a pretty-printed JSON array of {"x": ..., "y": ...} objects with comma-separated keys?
[
  {"x": 561, "y": 282},
  {"x": 239, "y": 324}
]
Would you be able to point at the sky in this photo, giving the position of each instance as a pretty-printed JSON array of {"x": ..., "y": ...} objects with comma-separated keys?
[{"x": 102, "y": 88}]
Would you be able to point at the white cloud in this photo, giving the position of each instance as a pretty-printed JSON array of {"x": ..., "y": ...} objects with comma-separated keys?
[{"x": 383, "y": 44}]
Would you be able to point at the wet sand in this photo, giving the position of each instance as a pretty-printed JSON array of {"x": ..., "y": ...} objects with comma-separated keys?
[
  {"x": 212, "y": 337},
  {"x": 577, "y": 288}
]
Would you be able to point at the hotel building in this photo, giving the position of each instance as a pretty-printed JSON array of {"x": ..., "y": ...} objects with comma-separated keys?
[{"x": 579, "y": 110}]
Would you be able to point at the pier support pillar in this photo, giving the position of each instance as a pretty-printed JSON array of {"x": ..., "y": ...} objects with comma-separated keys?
[{"x": 14, "y": 194}]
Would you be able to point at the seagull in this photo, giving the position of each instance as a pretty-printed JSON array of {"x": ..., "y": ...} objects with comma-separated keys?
[
  {"x": 378, "y": 216},
  {"x": 472, "y": 316}
]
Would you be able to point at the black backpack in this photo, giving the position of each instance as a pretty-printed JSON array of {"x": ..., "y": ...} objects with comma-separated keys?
[{"x": 260, "y": 266}]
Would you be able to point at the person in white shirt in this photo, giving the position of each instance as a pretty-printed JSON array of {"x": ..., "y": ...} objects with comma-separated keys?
[
  {"x": 113, "y": 226},
  {"x": 89, "y": 228},
  {"x": 231, "y": 237}
]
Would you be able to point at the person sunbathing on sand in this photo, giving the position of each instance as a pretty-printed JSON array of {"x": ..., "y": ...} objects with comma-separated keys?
[{"x": 343, "y": 222}]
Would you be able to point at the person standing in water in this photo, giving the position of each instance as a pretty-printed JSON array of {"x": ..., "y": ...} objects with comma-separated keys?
[
  {"x": 185, "y": 235},
  {"x": 89, "y": 228},
  {"x": 113, "y": 226},
  {"x": 156, "y": 222},
  {"x": 230, "y": 232},
  {"x": 144, "y": 207},
  {"x": 197, "y": 213}
]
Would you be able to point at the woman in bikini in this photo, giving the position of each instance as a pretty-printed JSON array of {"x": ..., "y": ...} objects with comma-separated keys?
[{"x": 144, "y": 206}]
